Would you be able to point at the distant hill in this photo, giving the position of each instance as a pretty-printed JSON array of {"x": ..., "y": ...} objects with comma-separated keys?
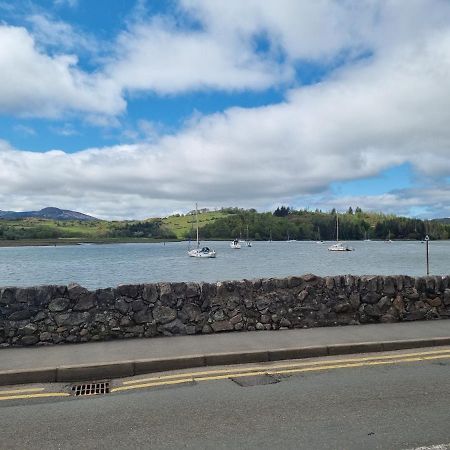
[
  {"x": 46, "y": 213},
  {"x": 445, "y": 220}
]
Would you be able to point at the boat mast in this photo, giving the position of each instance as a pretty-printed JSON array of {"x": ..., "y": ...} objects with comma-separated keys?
[
  {"x": 337, "y": 227},
  {"x": 196, "y": 219}
]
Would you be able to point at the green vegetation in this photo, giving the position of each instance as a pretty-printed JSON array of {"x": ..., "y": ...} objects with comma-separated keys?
[
  {"x": 228, "y": 223},
  {"x": 26, "y": 229},
  {"x": 285, "y": 223},
  {"x": 183, "y": 226}
]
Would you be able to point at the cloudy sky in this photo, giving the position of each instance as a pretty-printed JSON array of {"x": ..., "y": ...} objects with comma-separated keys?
[{"x": 131, "y": 109}]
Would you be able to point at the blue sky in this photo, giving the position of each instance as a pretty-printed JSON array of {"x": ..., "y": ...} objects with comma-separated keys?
[{"x": 129, "y": 109}]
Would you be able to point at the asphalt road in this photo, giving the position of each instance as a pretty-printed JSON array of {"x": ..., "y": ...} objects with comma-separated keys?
[{"x": 395, "y": 406}]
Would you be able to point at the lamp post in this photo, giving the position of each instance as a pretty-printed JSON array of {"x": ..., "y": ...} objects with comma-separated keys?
[{"x": 427, "y": 240}]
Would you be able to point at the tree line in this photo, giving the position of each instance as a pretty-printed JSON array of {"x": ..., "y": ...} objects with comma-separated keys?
[{"x": 286, "y": 223}]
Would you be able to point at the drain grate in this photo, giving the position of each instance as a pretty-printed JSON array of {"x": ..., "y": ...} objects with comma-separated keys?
[{"x": 90, "y": 389}]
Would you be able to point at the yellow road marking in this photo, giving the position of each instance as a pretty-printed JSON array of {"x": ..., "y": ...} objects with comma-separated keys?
[
  {"x": 42, "y": 395},
  {"x": 273, "y": 371},
  {"x": 19, "y": 391},
  {"x": 283, "y": 366}
]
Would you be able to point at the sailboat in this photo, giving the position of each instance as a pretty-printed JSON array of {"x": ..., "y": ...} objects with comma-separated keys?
[
  {"x": 338, "y": 247},
  {"x": 235, "y": 244},
  {"x": 289, "y": 238},
  {"x": 204, "y": 252},
  {"x": 249, "y": 244},
  {"x": 388, "y": 240},
  {"x": 320, "y": 241}
]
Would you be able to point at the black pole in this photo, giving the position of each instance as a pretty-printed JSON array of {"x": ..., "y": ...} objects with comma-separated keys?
[{"x": 427, "y": 240}]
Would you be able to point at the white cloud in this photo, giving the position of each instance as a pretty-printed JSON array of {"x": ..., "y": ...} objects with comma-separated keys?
[
  {"x": 35, "y": 84},
  {"x": 386, "y": 110},
  {"x": 157, "y": 56},
  {"x": 69, "y": 3},
  {"x": 367, "y": 118},
  {"x": 25, "y": 130},
  {"x": 52, "y": 33}
]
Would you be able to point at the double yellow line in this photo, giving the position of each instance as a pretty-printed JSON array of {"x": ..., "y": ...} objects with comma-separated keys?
[
  {"x": 280, "y": 369},
  {"x": 18, "y": 394},
  {"x": 221, "y": 374}
]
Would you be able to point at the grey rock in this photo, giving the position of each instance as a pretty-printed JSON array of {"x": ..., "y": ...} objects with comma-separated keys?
[
  {"x": 122, "y": 306},
  {"x": 75, "y": 291},
  {"x": 150, "y": 293},
  {"x": 59, "y": 304},
  {"x": 137, "y": 305},
  {"x": 142, "y": 316},
  {"x": 224, "y": 325},
  {"x": 45, "y": 336},
  {"x": 371, "y": 298},
  {"x": 29, "y": 340},
  {"x": 20, "y": 315},
  {"x": 164, "y": 314},
  {"x": 174, "y": 327},
  {"x": 128, "y": 290}
]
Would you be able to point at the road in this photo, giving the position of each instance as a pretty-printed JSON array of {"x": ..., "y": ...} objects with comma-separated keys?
[{"x": 387, "y": 401}]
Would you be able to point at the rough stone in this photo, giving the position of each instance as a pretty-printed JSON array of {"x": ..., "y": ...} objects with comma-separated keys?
[
  {"x": 143, "y": 316},
  {"x": 164, "y": 314},
  {"x": 224, "y": 325},
  {"x": 58, "y": 314},
  {"x": 434, "y": 301},
  {"x": 59, "y": 304},
  {"x": 85, "y": 303},
  {"x": 29, "y": 340}
]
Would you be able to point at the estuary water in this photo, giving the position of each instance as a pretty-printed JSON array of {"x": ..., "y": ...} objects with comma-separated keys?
[{"x": 108, "y": 265}]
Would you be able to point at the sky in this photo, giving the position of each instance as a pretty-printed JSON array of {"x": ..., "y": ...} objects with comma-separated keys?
[{"x": 128, "y": 109}]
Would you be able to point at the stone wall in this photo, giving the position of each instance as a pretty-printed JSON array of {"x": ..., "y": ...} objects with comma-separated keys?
[{"x": 59, "y": 314}]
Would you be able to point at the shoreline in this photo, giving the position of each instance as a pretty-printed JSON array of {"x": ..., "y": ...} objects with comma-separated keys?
[{"x": 81, "y": 241}]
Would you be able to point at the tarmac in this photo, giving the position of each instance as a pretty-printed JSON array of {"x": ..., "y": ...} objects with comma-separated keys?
[{"x": 96, "y": 361}]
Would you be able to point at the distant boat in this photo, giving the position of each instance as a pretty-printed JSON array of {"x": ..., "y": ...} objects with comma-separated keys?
[
  {"x": 235, "y": 244},
  {"x": 204, "y": 252},
  {"x": 388, "y": 240},
  {"x": 365, "y": 237},
  {"x": 338, "y": 246},
  {"x": 248, "y": 243},
  {"x": 289, "y": 238},
  {"x": 319, "y": 241}
]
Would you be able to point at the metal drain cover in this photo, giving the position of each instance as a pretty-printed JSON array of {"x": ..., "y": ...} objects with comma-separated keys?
[
  {"x": 90, "y": 389},
  {"x": 255, "y": 380}
]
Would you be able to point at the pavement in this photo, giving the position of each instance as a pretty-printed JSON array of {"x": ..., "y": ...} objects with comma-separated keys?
[
  {"x": 395, "y": 406},
  {"x": 126, "y": 358}
]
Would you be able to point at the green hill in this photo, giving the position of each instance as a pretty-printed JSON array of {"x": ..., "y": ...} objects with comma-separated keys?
[{"x": 228, "y": 223}]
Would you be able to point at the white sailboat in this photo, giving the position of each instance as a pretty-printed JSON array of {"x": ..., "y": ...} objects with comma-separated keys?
[
  {"x": 204, "y": 252},
  {"x": 338, "y": 247},
  {"x": 248, "y": 243},
  {"x": 235, "y": 244},
  {"x": 289, "y": 238},
  {"x": 319, "y": 241}
]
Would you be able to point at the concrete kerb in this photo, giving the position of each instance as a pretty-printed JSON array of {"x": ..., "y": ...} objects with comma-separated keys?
[{"x": 122, "y": 369}]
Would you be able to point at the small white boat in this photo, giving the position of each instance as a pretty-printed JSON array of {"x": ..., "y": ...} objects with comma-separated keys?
[
  {"x": 204, "y": 252},
  {"x": 235, "y": 244},
  {"x": 338, "y": 247}
]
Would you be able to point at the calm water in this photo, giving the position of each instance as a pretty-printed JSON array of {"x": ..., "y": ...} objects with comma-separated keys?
[{"x": 109, "y": 265}]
